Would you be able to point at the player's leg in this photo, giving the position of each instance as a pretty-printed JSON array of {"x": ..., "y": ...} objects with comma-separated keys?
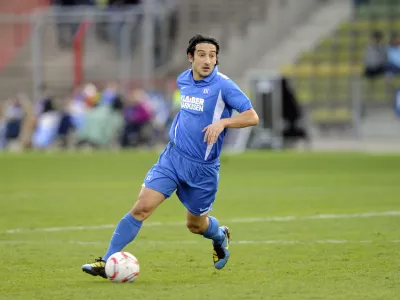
[
  {"x": 129, "y": 226},
  {"x": 127, "y": 229},
  {"x": 205, "y": 225},
  {"x": 208, "y": 226},
  {"x": 197, "y": 195},
  {"x": 160, "y": 183}
]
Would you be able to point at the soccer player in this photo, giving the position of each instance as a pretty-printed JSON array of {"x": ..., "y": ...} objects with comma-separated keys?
[{"x": 190, "y": 163}]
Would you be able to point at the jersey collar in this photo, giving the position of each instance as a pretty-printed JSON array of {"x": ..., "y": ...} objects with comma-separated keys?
[{"x": 206, "y": 80}]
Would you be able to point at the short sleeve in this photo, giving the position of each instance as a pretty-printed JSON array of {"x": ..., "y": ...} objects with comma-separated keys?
[{"x": 234, "y": 96}]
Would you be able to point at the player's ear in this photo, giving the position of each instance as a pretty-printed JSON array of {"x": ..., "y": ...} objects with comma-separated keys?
[{"x": 190, "y": 58}]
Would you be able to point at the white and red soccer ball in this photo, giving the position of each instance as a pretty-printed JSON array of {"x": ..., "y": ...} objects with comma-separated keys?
[{"x": 122, "y": 267}]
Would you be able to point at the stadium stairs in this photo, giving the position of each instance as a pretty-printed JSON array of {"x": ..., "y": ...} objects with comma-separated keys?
[
  {"x": 323, "y": 21},
  {"x": 245, "y": 29},
  {"x": 323, "y": 75}
]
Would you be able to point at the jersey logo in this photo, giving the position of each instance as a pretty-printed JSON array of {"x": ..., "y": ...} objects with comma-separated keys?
[
  {"x": 206, "y": 90},
  {"x": 192, "y": 103}
]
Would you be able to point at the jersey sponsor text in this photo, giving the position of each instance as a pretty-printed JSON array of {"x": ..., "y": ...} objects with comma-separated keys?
[{"x": 192, "y": 103}]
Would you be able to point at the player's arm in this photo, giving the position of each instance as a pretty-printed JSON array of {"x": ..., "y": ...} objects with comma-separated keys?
[
  {"x": 244, "y": 119},
  {"x": 236, "y": 99}
]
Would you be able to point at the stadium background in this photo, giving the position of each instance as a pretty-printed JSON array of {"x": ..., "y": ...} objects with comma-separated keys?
[{"x": 318, "y": 223}]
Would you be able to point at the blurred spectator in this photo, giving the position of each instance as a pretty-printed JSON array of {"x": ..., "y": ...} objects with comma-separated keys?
[
  {"x": 124, "y": 2},
  {"x": 393, "y": 53},
  {"x": 375, "y": 59},
  {"x": 89, "y": 116},
  {"x": 14, "y": 115},
  {"x": 138, "y": 117},
  {"x": 102, "y": 125},
  {"x": 65, "y": 127},
  {"x": 174, "y": 107},
  {"x": 292, "y": 114},
  {"x": 109, "y": 94},
  {"x": 80, "y": 104},
  {"x": 32, "y": 115},
  {"x": 100, "y": 3},
  {"x": 176, "y": 102},
  {"x": 161, "y": 109},
  {"x": 42, "y": 99},
  {"x": 47, "y": 124},
  {"x": 2, "y": 128}
]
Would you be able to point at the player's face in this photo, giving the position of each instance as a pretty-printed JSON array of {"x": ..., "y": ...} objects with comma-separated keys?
[{"x": 204, "y": 60}]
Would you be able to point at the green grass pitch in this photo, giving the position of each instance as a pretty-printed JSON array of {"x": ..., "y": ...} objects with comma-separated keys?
[{"x": 322, "y": 244}]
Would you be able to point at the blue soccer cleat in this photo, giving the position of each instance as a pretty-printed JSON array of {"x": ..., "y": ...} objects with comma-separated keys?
[
  {"x": 96, "y": 269},
  {"x": 221, "y": 251}
]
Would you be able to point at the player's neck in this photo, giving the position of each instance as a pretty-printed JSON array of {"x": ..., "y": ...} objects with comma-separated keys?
[{"x": 197, "y": 76}]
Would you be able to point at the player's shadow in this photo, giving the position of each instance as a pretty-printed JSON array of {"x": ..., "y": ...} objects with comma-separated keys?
[{"x": 103, "y": 282}]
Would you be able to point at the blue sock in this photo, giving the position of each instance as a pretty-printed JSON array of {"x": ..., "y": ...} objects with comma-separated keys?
[
  {"x": 126, "y": 231},
  {"x": 214, "y": 232}
]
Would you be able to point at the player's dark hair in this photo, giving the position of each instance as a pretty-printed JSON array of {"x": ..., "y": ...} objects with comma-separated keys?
[{"x": 200, "y": 39}]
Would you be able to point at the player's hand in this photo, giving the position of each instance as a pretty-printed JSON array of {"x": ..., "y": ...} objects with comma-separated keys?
[{"x": 212, "y": 132}]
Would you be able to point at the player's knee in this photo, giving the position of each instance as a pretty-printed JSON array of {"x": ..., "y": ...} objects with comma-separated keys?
[
  {"x": 147, "y": 202},
  {"x": 141, "y": 210},
  {"x": 194, "y": 227}
]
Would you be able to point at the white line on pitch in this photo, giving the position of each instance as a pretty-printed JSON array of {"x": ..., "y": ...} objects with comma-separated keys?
[
  {"x": 245, "y": 220},
  {"x": 319, "y": 217},
  {"x": 147, "y": 242}
]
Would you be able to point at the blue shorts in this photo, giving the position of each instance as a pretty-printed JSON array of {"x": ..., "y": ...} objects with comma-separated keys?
[{"x": 195, "y": 181}]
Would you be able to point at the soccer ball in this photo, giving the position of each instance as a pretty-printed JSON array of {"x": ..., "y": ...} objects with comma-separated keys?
[{"x": 122, "y": 267}]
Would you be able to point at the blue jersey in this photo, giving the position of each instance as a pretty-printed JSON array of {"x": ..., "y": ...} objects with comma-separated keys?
[{"x": 204, "y": 102}]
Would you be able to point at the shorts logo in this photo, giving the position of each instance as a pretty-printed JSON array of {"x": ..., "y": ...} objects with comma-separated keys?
[
  {"x": 192, "y": 103},
  {"x": 204, "y": 211}
]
